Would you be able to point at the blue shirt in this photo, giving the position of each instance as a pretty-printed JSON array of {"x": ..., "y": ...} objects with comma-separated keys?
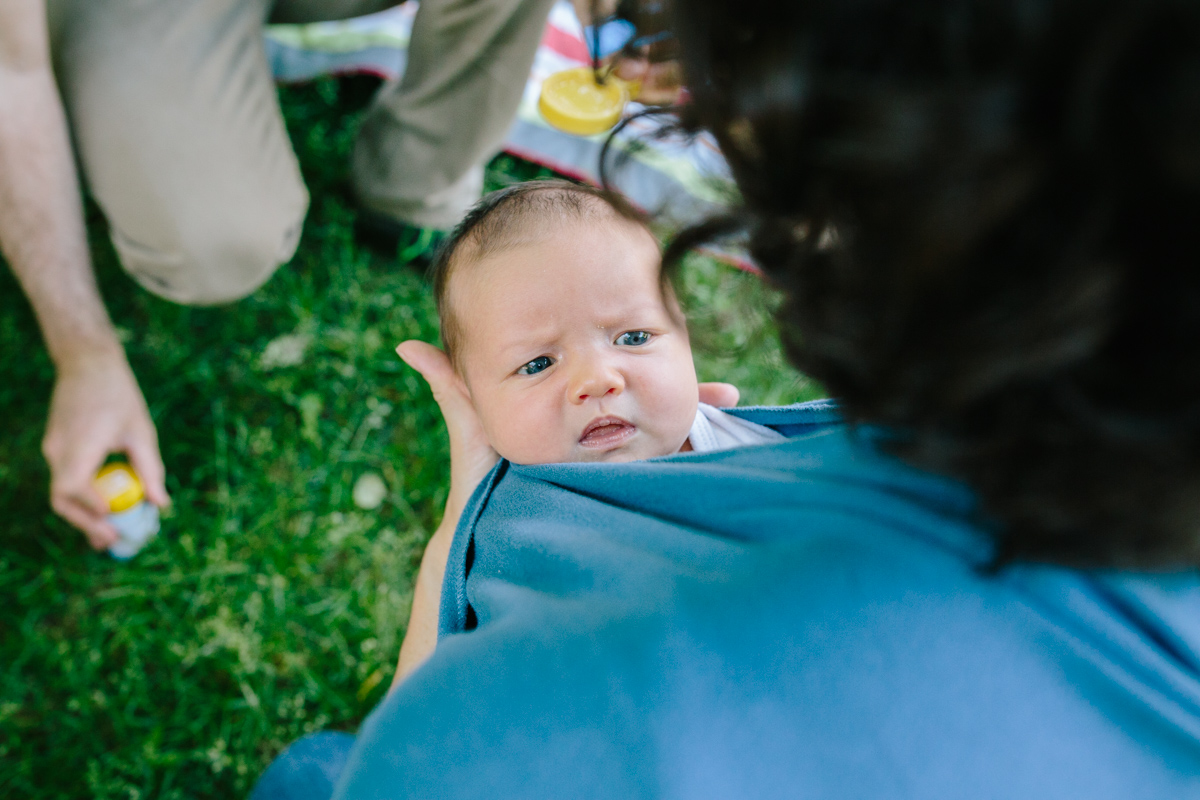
[{"x": 802, "y": 619}]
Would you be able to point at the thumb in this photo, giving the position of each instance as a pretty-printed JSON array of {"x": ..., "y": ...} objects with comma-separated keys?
[
  {"x": 433, "y": 364},
  {"x": 435, "y": 368},
  {"x": 447, "y": 387},
  {"x": 147, "y": 463},
  {"x": 471, "y": 455}
]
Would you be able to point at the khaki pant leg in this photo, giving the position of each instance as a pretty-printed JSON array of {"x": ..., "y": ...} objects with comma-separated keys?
[
  {"x": 422, "y": 146},
  {"x": 305, "y": 11},
  {"x": 181, "y": 140}
]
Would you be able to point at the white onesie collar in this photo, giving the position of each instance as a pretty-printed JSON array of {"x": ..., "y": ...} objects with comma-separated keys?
[{"x": 714, "y": 429}]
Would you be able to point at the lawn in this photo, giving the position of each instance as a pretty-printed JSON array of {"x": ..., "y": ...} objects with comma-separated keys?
[{"x": 272, "y": 605}]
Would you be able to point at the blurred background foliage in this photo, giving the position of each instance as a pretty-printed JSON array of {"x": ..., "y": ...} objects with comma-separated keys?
[{"x": 272, "y": 604}]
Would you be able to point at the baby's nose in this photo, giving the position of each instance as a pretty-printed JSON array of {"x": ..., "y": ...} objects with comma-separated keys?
[{"x": 596, "y": 379}]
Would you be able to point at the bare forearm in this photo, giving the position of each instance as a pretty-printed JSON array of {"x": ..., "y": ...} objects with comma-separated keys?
[
  {"x": 471, "y": 458},
  {"x": 421, "y": 637},
  {"x": 96, "y": 407},
  {"x": 42, "y": 233}
]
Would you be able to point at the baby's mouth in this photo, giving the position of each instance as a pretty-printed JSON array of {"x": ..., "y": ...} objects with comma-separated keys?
[{"x": 606, "y": 433}]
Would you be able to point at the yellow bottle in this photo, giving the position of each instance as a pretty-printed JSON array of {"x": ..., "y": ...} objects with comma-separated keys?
[{"x": 135, "y": 519}]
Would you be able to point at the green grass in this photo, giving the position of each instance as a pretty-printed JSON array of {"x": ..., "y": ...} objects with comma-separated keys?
[{"x": 271, "y": 605}]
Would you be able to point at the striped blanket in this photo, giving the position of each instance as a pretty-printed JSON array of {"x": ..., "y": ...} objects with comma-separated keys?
[{"x": 679, "y": 179}]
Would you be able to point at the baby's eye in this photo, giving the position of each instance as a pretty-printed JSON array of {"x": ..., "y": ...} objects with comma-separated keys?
[
  {"x": 633, "y": 338},
  {"x": 537, "y": 365}
]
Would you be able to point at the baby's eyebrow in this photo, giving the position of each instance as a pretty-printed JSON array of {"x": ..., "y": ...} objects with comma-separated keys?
[
  {"x": 531, "y": 342},
  {"x": 523, "y": 348},
  {"x": 648, "y": 314}
]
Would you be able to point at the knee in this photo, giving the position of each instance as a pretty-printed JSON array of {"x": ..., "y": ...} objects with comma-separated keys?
[
  {"x": 183, "y": 146},
  {"x": 309, "y": 767},
  {"x": 220, "y": 260}
]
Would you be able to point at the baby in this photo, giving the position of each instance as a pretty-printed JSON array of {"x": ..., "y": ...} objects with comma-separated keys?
[
  {"x": 566, "y": 343},
  {"x": 571, "y": 346}
]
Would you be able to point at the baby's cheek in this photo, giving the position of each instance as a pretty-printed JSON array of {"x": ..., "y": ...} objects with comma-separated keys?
[
  {"x": 684, "y": 415},
  {"x": 523, "y": 434},
  {"x": 673, "y": 399}
]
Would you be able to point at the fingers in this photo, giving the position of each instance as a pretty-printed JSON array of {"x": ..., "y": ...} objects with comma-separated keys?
[
  {"x": 722, "y": 395},
  {"x": 74, "y": 498},
  {"x": 632, "y": 68},
  {"x": 144, "y": 457},
  {"x": 660, "y": 84},
  {"x": 97, "y": 409},
  {"x": 72, "y": 472},
  {"x": 87, "y": 513},
  {"x": 73, "y": 494}
]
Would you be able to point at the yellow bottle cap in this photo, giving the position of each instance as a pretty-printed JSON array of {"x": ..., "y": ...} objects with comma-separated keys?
[
  {"x": 118, "y": 484},
  {"x": 572, "y": 101}
]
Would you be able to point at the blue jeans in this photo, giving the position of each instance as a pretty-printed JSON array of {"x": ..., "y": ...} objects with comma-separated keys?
[{"x": 307, "y": 770}]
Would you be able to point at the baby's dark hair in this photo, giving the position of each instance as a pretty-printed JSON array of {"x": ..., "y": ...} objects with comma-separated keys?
[{"x": 500, "y": 221}]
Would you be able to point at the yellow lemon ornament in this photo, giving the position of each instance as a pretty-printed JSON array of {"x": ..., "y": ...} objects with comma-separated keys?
[{"x": 574, "y": 102}]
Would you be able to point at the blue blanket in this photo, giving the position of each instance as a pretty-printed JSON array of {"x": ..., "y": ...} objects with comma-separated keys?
[{"x": 802, "y": 619}]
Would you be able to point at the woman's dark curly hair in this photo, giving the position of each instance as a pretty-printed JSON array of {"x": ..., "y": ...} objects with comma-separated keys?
[{"x": 985, "y": 219}]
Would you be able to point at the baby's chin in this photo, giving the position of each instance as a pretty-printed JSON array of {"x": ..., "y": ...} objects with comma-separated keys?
[{"x": 639, "y": 448}]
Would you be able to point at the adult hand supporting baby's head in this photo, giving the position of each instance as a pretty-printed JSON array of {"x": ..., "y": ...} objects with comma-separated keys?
[{"x": 471, "y": 455}]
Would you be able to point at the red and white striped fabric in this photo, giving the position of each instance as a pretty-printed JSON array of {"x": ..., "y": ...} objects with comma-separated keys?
[{"x": 681, "y": 180}]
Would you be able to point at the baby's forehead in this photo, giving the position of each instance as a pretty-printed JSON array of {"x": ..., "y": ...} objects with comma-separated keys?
[
  {"x": 477, "y": 278},
  {"x": 476, "y": 262},
  {"x": 533, "y": 224}
]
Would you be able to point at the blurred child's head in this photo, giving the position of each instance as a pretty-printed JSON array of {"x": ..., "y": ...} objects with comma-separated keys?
[{"x": 555, "y": 315}]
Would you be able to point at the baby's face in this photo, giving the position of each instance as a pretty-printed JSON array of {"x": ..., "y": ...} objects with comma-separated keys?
[{"x": 569, "y": 350}]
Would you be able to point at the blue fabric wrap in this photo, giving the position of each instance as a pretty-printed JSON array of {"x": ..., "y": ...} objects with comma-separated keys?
[
  {"x": 801, "y": 619},
  {"x": 307, "y": 769}
]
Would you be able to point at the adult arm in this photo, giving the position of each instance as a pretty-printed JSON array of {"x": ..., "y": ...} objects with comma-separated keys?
[
  {"x": 96, "y": 407},
  {"x": 471, "y": 458}
]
